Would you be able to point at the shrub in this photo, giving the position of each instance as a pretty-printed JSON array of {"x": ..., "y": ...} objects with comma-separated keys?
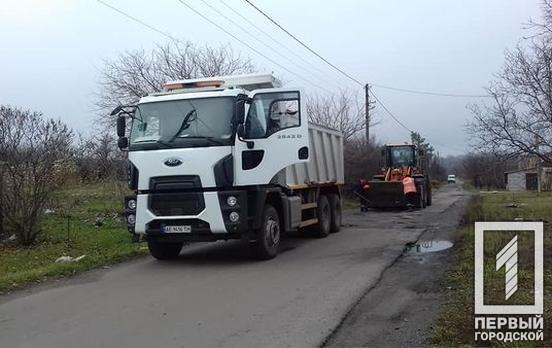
[{"x": 34, "y": 161}]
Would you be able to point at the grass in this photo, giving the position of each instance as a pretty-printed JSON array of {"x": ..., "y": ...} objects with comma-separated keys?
[
  {"x": 455, "y": 323},
  {"x": 351, "y": 203},
  {"x": 103, "y": 245}
]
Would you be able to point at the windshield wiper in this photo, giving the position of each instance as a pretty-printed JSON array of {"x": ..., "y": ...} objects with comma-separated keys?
[
  {"x": 164, "y": 143},
  {"x": 184, "y": 125},
  {"x": 210, "y": 139}
]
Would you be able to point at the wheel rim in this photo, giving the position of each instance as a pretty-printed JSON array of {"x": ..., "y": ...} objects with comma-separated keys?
[{"x": 272, "y": 232}]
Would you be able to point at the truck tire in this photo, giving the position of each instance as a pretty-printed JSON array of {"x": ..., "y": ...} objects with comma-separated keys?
[
  {"x": 164, "y": 251},
  {"x": 323, "y": 212},
  {"x": 266, "y": 245},
  {"x": 335, "y": 206}
]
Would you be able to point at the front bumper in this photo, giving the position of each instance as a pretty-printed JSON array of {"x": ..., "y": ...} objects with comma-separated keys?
[{"x": 209, "y": 224}]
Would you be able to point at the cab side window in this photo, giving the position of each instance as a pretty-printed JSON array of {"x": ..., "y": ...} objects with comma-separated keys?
[{"x": 272, "y": 112}]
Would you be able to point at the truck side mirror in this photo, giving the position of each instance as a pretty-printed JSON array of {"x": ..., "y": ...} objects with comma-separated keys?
[
  {"x": 121, "y": 126},
  {"x": 241, "y": 132},
  {"x": 122, "y": 143},
  {"x": 116, "y": 110}
]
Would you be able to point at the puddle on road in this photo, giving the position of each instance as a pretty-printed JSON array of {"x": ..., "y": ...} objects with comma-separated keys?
[{"x": 428, "y": 246}]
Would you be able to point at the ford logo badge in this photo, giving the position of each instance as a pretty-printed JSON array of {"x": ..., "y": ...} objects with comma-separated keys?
[{"x": 173, "y": 162}]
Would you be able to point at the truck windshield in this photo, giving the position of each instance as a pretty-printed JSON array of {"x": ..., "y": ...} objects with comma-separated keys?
[
  {"x": 183, "y": 123},
  {"x": 402, "y": 156}
]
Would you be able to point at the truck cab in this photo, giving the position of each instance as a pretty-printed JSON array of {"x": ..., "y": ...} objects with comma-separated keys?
[{"x": 206, "y": 155}]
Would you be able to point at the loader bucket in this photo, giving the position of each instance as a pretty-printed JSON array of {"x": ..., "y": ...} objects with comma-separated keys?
[{"x": 384, "y": 194}]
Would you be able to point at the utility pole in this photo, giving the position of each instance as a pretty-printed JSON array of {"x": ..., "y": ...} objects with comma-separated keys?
[{"x": 367, "y": 101}]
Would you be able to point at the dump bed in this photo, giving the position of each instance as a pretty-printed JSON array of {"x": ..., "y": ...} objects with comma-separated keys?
[{"x": 325, "y": 163}]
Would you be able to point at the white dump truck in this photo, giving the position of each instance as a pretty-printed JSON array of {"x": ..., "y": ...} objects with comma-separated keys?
[{"x": 230, "y": 157}]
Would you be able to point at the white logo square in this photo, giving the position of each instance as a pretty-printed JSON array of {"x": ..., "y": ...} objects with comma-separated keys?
[{"x": 510, "y": 261}]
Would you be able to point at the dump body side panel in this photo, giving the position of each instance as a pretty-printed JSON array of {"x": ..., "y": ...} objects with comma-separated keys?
[{"x": 325, "y": 164}]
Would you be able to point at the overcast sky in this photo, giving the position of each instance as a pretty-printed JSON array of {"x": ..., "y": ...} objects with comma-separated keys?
[{"x": 51, "y": 51}]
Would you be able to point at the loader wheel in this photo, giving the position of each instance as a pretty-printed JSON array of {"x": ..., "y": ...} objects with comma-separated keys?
[
  {"x": 335, "y": 210},
  {"x": 322, "y": 229},
  {"x": 422, "y": 202},
  {"x": 268, "y": 236},
  {"x": 164, "y": 251},
  {"x": 428, "y": 196}
]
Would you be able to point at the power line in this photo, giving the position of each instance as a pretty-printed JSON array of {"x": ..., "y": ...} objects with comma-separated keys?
[
  {"x": 399, "y": 122},
  {"x": 169, "y": 36},
  {"x": 139, "y": 21},
  {"x": 291, "y": 51},
  {"x": 384, "y": 107},
  {"x": 437, "y": 94},
  {"x": 151, "y": 27},
  {"x": 349, "y": 76},
  {"x": 220, "y": 13},
  {"x": 303, "y": 44},
  {"x": 249, "y": 46}
]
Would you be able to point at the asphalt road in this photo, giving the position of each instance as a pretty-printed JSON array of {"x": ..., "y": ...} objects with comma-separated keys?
[
  {"x": 400, "y": 309},
  {"x": 216, "y": 295}
]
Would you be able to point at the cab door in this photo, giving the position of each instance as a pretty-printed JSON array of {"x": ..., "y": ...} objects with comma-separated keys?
[{"x": 275, "y": 136}]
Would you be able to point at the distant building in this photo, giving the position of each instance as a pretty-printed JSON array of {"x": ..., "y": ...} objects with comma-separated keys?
[{"x": 536, "y": 178}]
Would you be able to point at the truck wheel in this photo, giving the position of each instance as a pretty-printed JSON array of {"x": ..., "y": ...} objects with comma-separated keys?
[
  {"x": 335, "y": 209},
  {"x": 268, "y": 236},
  {"x": 324, "y": 217},
  {"x": 164, "y": 251}
]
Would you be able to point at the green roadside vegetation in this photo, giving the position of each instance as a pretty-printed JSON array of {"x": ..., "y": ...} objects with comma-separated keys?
[
  {"x": 86, "y": 221},
  {"x": 351, "y": 203},
  {"x": 455, "y": 323}
]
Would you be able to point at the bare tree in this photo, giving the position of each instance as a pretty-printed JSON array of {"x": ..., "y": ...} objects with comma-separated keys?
[
  {"x": 435, "y": 163},
  {"x": 362, "y": 160},
  {"x": 97, "y": 158},
  {"x": 35, "y": 160},
  {"x": 518, "y": 119},
  {"x": 485, "y": 169},
  {"x": 342, "y": 111},
  {"x": 543, "y": 27},
  {"x": 135, "y": 74}
]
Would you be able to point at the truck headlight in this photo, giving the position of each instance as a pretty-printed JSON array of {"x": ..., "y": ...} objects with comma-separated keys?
[
  {"x": 131, "y": 204},
  {"x": 131, "y": 219},
  {"x": 231, "y": 201},
  {"x": 234, "y": 217}
]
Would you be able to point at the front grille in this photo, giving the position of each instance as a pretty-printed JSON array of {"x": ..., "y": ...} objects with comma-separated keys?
[
  {"x": 172, "y": 204},
  {"x": 164, "y": 201}
]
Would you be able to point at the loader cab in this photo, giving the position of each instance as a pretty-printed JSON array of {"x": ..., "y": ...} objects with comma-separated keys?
[{"x": 398, "y": 156}]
